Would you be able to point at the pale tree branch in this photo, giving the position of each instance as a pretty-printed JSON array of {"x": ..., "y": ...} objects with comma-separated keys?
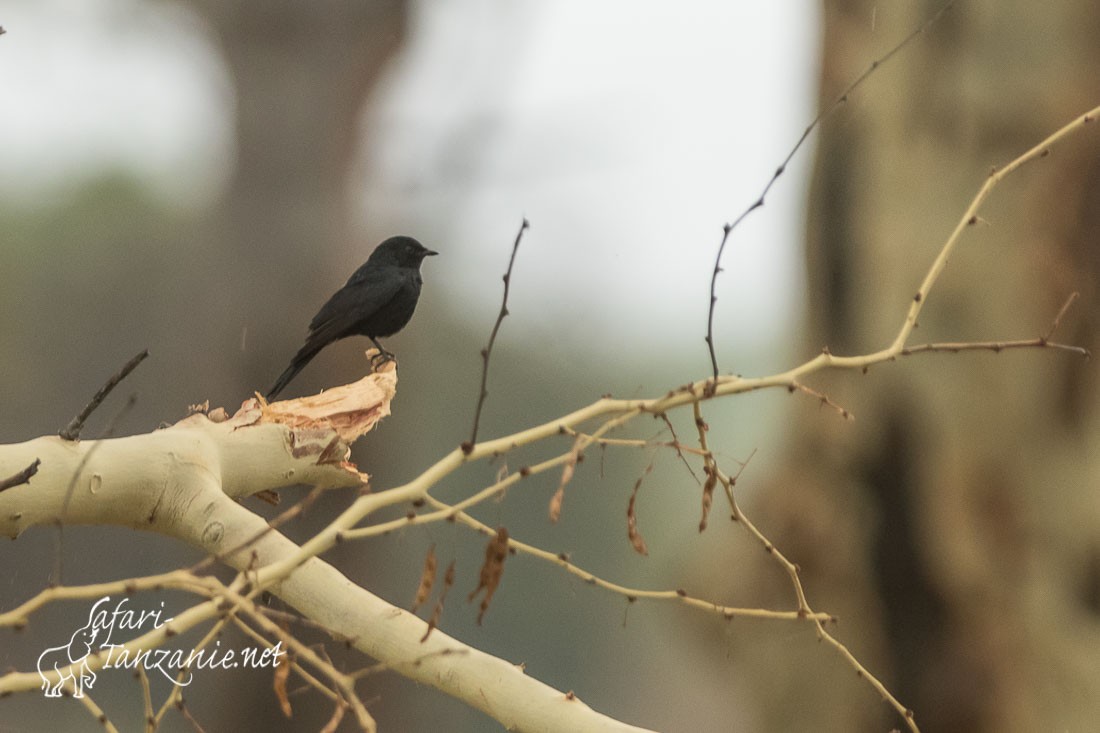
[{"x": 263, "y": 448}]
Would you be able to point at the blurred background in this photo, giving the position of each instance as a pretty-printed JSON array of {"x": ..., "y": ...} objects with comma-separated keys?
[{"x": 196, "y": 178}]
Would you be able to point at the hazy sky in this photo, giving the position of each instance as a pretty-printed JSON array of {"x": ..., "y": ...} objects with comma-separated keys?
[{"x": 628, "y": 132}]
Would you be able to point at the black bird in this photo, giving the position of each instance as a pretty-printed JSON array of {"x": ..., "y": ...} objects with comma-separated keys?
[{"x": 377, "y": 301}]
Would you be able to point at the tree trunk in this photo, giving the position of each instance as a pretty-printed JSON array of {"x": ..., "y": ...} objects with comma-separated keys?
[
  {"x": 954, "y": 526},
  {"x": 301, "y": 74}
]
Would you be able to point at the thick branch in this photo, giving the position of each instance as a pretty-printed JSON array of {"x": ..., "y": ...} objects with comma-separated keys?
[
  {"x": 146, "y": 481},
  {"x": 183, "y": 481}
]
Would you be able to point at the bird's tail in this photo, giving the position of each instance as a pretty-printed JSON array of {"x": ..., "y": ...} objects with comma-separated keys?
[{"x": 297, "y": 364}]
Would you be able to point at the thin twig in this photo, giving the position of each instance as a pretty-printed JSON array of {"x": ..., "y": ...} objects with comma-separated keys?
[
  {"x": 995, "y": 346},
  {"x": 970, "y": 218},
  {"x": 301, "y": 671},
  {"x": 824, "y": 399},
  {"x": 146, "y": 699},
  {"x": 804, "y": 609},
  {"x": 23, "y": 477},
  {"x": 1058, "y": 318},
  {"x": 286, "y": 618},
  {"x": 96, "y": 712},
  {"x": 632, "y": 595},
  {"x": 72, "y": 430},
  {"x": 677, "y": 446},
  {"x": 468, "y": 446},
  {"x": 759, "y": 202}
]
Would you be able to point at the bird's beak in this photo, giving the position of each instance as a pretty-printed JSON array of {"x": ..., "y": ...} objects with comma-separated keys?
[{"x": 430, "y": 252}]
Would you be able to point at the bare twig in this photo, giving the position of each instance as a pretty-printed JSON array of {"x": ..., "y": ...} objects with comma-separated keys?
[
  {"x": 72, "y": 430},
  {"x": 23, "y": 477},
  {"x": 1058, "y": 318},
  {"x": 487, "y": 352},
  {"x": 94, "y": 709},
  {"x": 970, "y": 218},
  {"x": 995, "y": 346},
  {"x": 630, "y": 594},
  {"x": 146, "y": 699},
  {"x": 825, "y": 400},
  {"x": 718, "y": 268},
  {"x": 759, "y": 202},
  {"x": 804, "y": 609},
  {"x": 675, "y": 443}
]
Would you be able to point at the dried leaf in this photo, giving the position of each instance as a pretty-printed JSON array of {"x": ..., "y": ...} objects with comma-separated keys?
[
  {"x": 556, "y": 502},
  {"x": 708, "y": 495},
  {"x": 567, "y": 472},
  {"x": 282, "y": 674},
  {"x": 491, "y": 570},
  {"x": 427, "y": 580},
  {"x": 632, "y": 532},
  {"x": 437, "y": 612}
]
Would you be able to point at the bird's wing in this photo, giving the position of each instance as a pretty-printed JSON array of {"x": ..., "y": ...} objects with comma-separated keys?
[
  {"x": 362, "y": 274},
  {"x": 366, "y": 292}
]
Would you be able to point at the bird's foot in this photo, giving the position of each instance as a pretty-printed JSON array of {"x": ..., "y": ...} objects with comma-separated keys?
[{"x": 381, "y": 357}]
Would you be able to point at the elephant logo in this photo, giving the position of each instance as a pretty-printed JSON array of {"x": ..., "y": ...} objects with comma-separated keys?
[{"x": 61, "y": 659}]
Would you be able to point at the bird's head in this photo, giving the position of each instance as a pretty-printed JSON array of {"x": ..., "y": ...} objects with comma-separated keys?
[{"x": 401, "y": 252}]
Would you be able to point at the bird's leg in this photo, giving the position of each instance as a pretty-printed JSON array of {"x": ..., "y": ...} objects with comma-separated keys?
[{"x": 382, "y": 356}]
